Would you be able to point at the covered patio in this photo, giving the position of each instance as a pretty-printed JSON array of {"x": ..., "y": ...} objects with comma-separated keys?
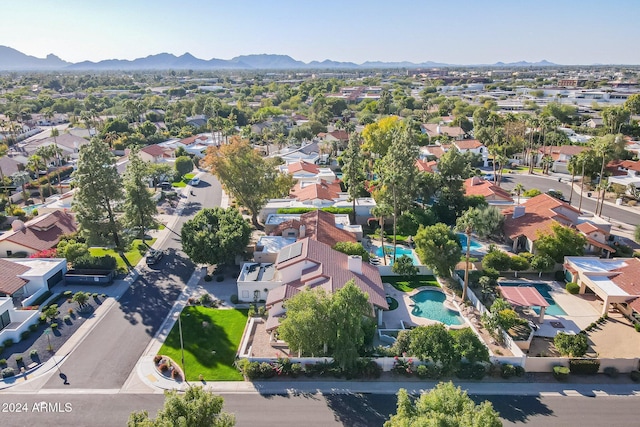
[{"x": 524, "y": 296}]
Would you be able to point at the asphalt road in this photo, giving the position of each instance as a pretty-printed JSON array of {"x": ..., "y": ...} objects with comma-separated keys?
[
  {"x": 588, "y": 203},
  {"x": 106, "y": 357},
  {"x": 369, "y": 410}
]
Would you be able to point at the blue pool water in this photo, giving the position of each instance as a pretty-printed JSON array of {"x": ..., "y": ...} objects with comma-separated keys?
[
  {"x": 429, "y": 304},
  {"x": 400, "y": 250},
  {"x": 31, "y": 208},
  {"x": 544, "y": 289},
  {"x": 475, "y": 246}
]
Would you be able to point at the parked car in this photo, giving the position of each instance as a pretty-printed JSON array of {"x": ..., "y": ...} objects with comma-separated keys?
[
  {"x": 154, "y": 256},
  {"x": 195, "y": 181},
  {"x": 165, "y": 185}
]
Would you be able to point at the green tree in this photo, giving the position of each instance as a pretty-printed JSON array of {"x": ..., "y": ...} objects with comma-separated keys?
[
  {"x": 444, "y": 406},
  {"x": 497, "y": 260},
  {"x": 51, "y": 312},
  {"x": 35, "y": 164},
  {"x": 197, "y": 407},
  {"x": 72, "y": 250},
  {"x": 404, "y": 267},
  {"x": 434, "y": 343},
  {"x": 21, "y": 179},
  {"x": 519, "y": 189},
  {"x": 562, "y": 241},
  {"x": 518, "y": 263},
  {"x": 215, "y": 236},
  {"x": 438, "y": 248},
  {"x": 99, "y": 190},
  {"x": 139, "y": 207},
  {"x": 353, "y": 171},
  {"x": 184, "y": 165},
  {"x": 614, "y": 117},
  {"x": 306, "y": 326},
  {"x": 633, "y": 103},
  {"x": 231, "y": 164},
  {"x": 378, "y": 136},
  {"x": 159, "y": 172},
  {"x": 542, "y": 263},
  {"x": 469, "y": 346},
  {"x": 348, "y": 309},
  {"x": 572, "y": 345}
]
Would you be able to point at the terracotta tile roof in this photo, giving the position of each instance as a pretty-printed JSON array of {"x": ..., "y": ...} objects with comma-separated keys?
[
  {"x": 9, "y": 272},
  {"x": 467, "y": 144},
  {"x": 434, "y": 150},
  {"x": 600, "y": 245},
  {"x": 627, "y": 280},
  {"x": 322, "y": 191},
  {"x": 319, "y": 225},
  {"x": 426, "y": 166},
  {"x": 539, "y": 216},
  {"x": 339, "y": 134},
  {"x": 334, "y": 272},
  {"x": 42, "y": 232},
  {"x": 192, "y": 139},
  {"x": 556, "y": 150},
  {"x": 432, "y": 130},
  {"x": 476, "y": 186},
  {"x": 302, "y": 166},
  {"x": 588, "y": 228},
  {"x": 154, "y": 150}
]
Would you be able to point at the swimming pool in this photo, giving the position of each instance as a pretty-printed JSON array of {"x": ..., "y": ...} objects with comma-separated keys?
[
  {"x": 544, "y": 289},
  {"x": 429, "y": 304},
  {"x": 400, "y": 250},
  {"x": 29, "y": 209},
  {"x": 475, "y": 246}
]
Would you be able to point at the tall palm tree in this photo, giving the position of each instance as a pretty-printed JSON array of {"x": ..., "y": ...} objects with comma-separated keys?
[
  {"x": 603, "y": 147},
  {"x": 519, "y": 189},
  {"x": 21, "y": 179},
  {"x": 45, "y": 155},
  {"x": 467, "y": 223},
  {"x": 573, "y": 166},
  {"x": 381, "y": 211},
  {"x": 34, "y": 164}
]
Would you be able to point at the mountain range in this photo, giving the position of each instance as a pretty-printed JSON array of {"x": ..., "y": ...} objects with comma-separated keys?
[{"x": 14, "y": 60}]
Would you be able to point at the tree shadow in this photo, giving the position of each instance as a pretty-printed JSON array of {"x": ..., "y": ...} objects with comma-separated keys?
[
  {"x": 516, "y": 408},
  {"x": 362, "y": 410}
]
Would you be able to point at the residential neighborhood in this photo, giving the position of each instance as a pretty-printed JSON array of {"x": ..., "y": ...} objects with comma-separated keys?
[{"x": 357, "y": 229}]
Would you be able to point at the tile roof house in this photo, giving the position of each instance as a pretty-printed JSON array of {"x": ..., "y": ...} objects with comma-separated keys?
[
  {"x": 625, "y": 172},
  {"x": 477, "y": 186},
  {"x": 614, "y": 281},
  {"x": 308, "y": 264},
  {"x": 301, "y": 170},
  {"x": 427, "y": 166},
  {"x": 41, "y": 233},
  {"x": 434, "y": 150},
  {"x": 156, "y": 153},
  {"x": 561, "y": 156},
  {"x": 434, "y": 131},
  {"x": 25, "y": 279},
  {"x": 318, "y": 225},
  {"x": 316, "y": 193}
]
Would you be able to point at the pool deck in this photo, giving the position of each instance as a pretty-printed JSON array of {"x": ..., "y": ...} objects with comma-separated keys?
[
  {"x": 580, "y": 310},
  {"x": 392, "y": 319}
]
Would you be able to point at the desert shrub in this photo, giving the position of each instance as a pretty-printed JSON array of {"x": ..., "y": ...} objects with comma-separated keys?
[
  {"x": 252, "y": 310},
  {"x": 8, "y": 372},
  {"x": 3, "y": 363},
  {"x": 296, "y": 370},
  {"x": 266, "y": 370},
  {"x": 33, "y": 353},
  {"x": 33, "y": 327},
  {"x": 234, "y": 299},
  {"x": 261, "y": 311},
  {"x": 206, "y": 299},
  {"x": 54, "y": 326},
  {"x": 635, "y": 376},
  {"x": 572, "y": 287},
  {"x": 471, "y": 371},
  {"x": 67, "y": 319},
  {"x": 19, "y": 359},
  {"x": 561, "y": 373},
  {"x": 7, "y": 343},
  {"x": 207, "y": 278},
  {"x": 611, "y": 371},
  {"x": 25, "y": 334},
  {"x": 175, "y": 374},
  {"x": 164, "y": 367},
  {"x": 584, "y": 366},
  {"x": 402, "y": 366},
  {"x": 252, "y": 370},
  {"x": 571, "y": 345},
  {"x": 67, "y": 293},
  {"x": 637, "y": 327},
  {"x": 157, "y": 358},
  {"x": 507, "y": 370}
]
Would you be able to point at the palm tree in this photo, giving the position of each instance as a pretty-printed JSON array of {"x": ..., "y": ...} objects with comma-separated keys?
[
  {"x": 466, "y": 224},
  {"x": 45, "y": 155},
  {"x": 573, "y": 167},
  {"x": 547, "y": 161},
  {"x": 34, "y": 165},
  {"x": 21, "y": 179},
  {"x": 381, "y": 211},
  {"x": 603, "y": 147},
  {"x": 519, "y": 189}
]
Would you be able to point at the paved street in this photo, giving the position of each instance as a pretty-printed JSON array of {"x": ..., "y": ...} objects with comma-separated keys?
[
  {"x": 311, "y": 410},
  {"x": 544, "y": 183},
  {"x": 106, "y": 357}
]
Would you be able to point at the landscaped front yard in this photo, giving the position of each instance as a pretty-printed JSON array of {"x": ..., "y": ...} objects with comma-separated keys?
[
  {"x": 401, "y": 284},
  {"x": 211, "y": 339},
  {"x": 125, "y": 260},
  {"x": 184, "y": 181}
]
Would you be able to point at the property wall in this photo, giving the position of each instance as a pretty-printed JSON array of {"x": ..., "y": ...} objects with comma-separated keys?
[
  {"x": 546, "y": 364},
  {"x": 29, "y": 301},
  {"x": 27, "y": 317},
  {"x": 385, "y": 270}
]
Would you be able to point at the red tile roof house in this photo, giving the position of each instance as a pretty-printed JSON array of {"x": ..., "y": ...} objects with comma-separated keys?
[
  {"x": 308, "y": 264},
  {"x": 434, "y": 131},
  {"x": 561, "y": 156},
  {"x": 494, "y": 195},
  {"x": 301, "y": 170},
  {"x": 614, "y": 281},
  {"x": 41, "y": 233},
  {"x": 156, "y": 153},
  {"x": 317, "y": 225},
  {"x": 524, "y": 223},
  {"x": 427, "y": 166},
  {"x": 316, "y": 194}
]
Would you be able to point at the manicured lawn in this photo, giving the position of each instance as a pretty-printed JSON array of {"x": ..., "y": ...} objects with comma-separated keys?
[
  {"x": 404, "y": 286},
  {"x": 184, "y": 181},
  {"x": 126, "y": 259},
  {"x": 209, "y": 350}
]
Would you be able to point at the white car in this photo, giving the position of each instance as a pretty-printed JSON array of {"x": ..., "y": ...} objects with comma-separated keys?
[{"x": 195, "y": 182}]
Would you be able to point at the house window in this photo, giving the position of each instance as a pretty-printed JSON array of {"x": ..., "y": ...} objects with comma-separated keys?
[
  {"x": 245, "y": 295},
  {"x": 9, "y": 253},
  {"x": 54, "y": 280}
]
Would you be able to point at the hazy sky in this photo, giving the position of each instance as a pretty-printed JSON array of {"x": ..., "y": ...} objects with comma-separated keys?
[{"x": 454, "y": 31}]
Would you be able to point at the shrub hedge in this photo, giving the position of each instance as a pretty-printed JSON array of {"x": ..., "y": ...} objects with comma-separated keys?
[
  {"x": 584, "y": 366},
  {"x": 561, "y": 373},
  {"x": 572, "y": 287}
]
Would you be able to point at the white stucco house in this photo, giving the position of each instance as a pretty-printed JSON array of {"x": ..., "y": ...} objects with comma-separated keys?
[{"x": 25, "y": 279}]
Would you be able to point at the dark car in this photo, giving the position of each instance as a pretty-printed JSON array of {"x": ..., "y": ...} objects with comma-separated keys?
[{"x": 154, "y": 256}]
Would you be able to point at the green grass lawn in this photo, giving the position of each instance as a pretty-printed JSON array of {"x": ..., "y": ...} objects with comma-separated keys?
[
  {"x": 126, "y": 259},
  {"x": 208, "y": 350},
  {"x": 184, "y": 181},
  {"x": 404, "y": 286}
]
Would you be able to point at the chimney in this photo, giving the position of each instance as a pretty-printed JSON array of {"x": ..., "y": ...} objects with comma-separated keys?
[
  {"x": 518, "y": 211},
  {"x": 438, "y": 129},
  {"x": 476, "y": 180},
  {"x": 302, "y": 232},
  {"x": 17, "y": 225},
  {"x": 355, "y": 264}
]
